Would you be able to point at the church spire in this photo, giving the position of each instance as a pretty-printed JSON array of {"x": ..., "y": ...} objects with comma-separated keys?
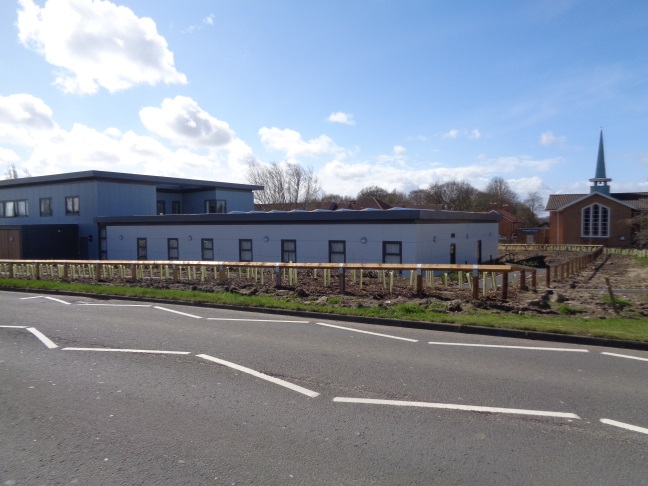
[{"x": 600, "y": 180}]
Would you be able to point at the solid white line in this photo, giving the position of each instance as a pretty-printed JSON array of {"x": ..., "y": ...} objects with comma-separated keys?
[
  {"x": 634, "y": 428},
  {"x": 176, "y": 312},
  {"x": 57, "y": 300},
  {"x": 368, "y": 332},
  {"x": 44, "y": 339},
  {"x": 572, "y": 350},
  {"x": 117, "y": 305},
  {"x": 253, "y": 320},
  {"x": 625, "y": 356},
  {"x": 263, "y": 376},
  {"x": 16, "y": 327},
  {"x": 450, "y": 406},
  {"x": 34, "y": 297},
  {"x": 150, "y": 351}
]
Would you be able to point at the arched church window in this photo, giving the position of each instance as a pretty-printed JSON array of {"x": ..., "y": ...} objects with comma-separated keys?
[{"x": 595, "y": 221}]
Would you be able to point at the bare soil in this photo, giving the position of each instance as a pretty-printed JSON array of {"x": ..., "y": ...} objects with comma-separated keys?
[{"x": 584, "y": 294}]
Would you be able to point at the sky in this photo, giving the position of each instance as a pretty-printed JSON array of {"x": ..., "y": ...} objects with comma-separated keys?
[{"x": 398, "y": 94}]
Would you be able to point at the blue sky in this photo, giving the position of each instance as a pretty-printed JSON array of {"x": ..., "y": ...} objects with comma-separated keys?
[{"x": 394, "y": 93}]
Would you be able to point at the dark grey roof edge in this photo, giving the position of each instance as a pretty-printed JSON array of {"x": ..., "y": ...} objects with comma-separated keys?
[
  {"x": 378, "y": 215},
  {"x": 121, "y": 176}
]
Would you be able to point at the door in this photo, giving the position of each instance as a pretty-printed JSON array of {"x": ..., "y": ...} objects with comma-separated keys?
[{"x": 10, "y": 244}]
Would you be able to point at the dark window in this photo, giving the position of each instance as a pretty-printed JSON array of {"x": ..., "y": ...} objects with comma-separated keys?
[
  {"x": 174, "y": 250},
  {"x": 71, "y": 205},
  {"x": 245, "y": 250},
  {"x": 141, "y": 249},
  {"x": 215, "y": 206},
  {"x": 46, "y": 206},
  {"x": 453, "y": 253},
  {"x": 161, "y": 207},
  {"x": 207, "y": 248},
  {"x": 14, "y": 209},
  {"x": 288, "y": 251},
  {"x": 175, "y": 207},
  {"x": 479, "y": 251},
  {"x": 595, "y": 221},
  {"x": 337, "y": 251},
  {"x": 392, "y": 252},
  {"x": 103, "y": 243}
]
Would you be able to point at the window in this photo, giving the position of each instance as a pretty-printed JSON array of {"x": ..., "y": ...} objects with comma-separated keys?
[
  {"x": 337, "y": 251},
  {"x": 141, "y": 249},
  {"x": 46, "y": 206},
  {"x": 13, "y": 209},
  {"x": 245, "y": 250},
  {"x": 595, "y": 221},
  {"x": 207, "y": 248},
  {"x": 161, "y": 207},
  {"x": 103, "y": 243},
  {"x": 215, "y": 206},
  {"x": 453, "y": 253},
  {"x": 288, "y": 251},
  {"x": 71, "y": 205},
  {"x": 174, "y": 250},
  {"x": 392, "y": 252},
  {"x": 175, "y": 207}
]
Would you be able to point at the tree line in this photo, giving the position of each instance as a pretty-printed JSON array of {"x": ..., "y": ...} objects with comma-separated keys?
[{"x": 292, "y": 186}]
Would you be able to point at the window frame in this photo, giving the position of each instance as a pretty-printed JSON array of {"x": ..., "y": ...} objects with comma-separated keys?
[
  {"x": 386, "y": 254},
  {"x": 595, "y": 221},
  {"x": 176, "y": 208},
  {"x": 72, "y": 206},
  {"x": 218, "y": 204},
  {"x": 142, "y": 255},
  {"x": 331, "y": 243},
  {"x": 50, "y": 207},
  {"x": 160, "y": 206},
  {"x": 11, "y": 208},
  {"x": 170, "y": 248},
  {"x": 204, "y": 249},
  {"x": 242, "y": 250},
  {"x": 284, "y": 251}
]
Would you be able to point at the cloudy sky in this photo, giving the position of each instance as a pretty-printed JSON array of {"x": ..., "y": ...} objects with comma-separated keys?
[{"x": 394, "y": 93}]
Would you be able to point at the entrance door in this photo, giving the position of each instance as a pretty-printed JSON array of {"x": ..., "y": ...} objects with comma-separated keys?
[{"x": 10, "y": 244}]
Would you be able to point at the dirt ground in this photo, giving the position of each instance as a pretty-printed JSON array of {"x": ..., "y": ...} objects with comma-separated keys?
[{"x": 584, "y": 294}]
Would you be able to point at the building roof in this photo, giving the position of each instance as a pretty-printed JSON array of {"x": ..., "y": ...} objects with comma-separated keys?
[
  {"x": 637, "y": 200},
  {"x": 318, "y": 216},
  {"x": 507, "y": 215},
  {"x": 164, "y": 183}
]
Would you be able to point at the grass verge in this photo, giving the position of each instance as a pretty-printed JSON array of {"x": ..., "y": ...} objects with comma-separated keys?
[{"x": 569, "y": 323}]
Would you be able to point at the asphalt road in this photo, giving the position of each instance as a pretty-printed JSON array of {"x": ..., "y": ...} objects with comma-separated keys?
[{"x": 113, "y": 392}]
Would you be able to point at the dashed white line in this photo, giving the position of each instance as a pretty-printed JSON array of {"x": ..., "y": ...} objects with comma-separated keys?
[
  {"x": 16, "y": 327},
  {"x": 625, "y": 356},
  {"x": 176, "y": 312},
  {"x": 43, "y": 338},
  {"x": 254, "y": 320},
  {"x": 368, "y": 332},
  {"x": 535, "y": 348},
  {"x": 622, "y": 425},
  {"x": 117, "y": 350},
  {"x": 263, "y": 376},
  {"x": 450, "y": 406},
  {"x": 116, "y": 305}
]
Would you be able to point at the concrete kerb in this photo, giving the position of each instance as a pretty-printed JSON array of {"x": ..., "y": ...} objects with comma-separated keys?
[{"x": 430, "y": 326}]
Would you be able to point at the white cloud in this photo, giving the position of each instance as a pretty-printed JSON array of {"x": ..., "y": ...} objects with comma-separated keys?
[
  {"x": 25, "y": 120},
  {"x": 341, "y": 117},
  {"x": 7, "y": 157},
  {"x": 96, "y": 44},
  {"x": 548, "y": 138},
  {"x": 206, "y": 22},
  {"x": 399, "y": 150},
  {"x": 452, "y": 134},
  {"x": 475, "y": 134},
  {"x": 182, "y": 121},
  {"x": 291, "y": 142}
]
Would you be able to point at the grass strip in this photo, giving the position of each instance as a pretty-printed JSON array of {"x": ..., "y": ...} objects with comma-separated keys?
[{"x": 611, "y": 328}]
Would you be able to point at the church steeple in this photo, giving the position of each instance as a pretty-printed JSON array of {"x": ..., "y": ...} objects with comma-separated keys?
[{"x": 600, "y": 181}]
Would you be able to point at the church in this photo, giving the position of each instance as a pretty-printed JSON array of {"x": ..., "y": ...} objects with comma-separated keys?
[{"x": 598, "y": 218}]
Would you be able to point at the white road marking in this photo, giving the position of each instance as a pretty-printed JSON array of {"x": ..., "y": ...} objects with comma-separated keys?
[
  {"x": 253, "y": 320},
  {"x": 571, "y": 350},
  {"x": 116, "y": 305},
  {"x": 634, "y": 428},
  {"x": 450, "y": 406},
  {"x": 43, "y": 338},
  {"x": 625, "y": 356},
  {"x": 16, "y": 327},
  {"x": 263, "y": 376},
  {"x": 46, "y": 297},
  {"x": 176, "y": 312},
  {"x": 150, "y": 351},
  {"x": 368, "y": 332},
  {"x": 33, "y": 297}
]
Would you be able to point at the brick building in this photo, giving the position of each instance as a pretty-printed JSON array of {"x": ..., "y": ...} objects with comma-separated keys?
[{"x": 598, "y": 218}]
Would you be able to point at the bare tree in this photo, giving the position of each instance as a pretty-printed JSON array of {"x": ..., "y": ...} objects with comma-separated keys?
[
  {"x": 498, "y": 194},
  {"x": 12, "y": 172},
  {"x": 454, "y": 195},
  {"x": 393, "y": 198},
  {"x": 639, "y": 223},
  {"x": 284, "y": 184}
]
